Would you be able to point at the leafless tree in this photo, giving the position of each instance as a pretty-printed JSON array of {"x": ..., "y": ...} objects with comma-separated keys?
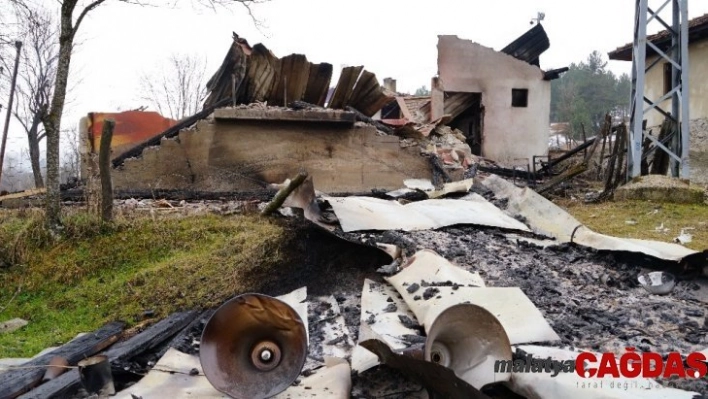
[
  {"x": 71, "y": 157},
  {"x": 37, "y": 73},
  {"x": 16, "y": 177},
  {"x": 72, "y": 14},
  {"x": 180, "y": 90}
]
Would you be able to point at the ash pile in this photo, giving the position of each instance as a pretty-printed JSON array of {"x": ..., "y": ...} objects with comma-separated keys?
[{"x": 491, "y": 291}]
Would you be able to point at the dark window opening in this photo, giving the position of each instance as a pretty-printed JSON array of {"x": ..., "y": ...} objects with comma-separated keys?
[
  {"x": 519, "y": 98},
  {"x": 668, "y": 84}
]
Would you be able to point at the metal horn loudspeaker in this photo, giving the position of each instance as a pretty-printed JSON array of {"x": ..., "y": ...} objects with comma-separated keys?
[
  {"x": 253, "y": 347},
  {"x": 469, "y": 339}
]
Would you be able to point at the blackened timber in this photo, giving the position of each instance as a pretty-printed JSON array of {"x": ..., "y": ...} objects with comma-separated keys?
[
  {"x": 292, "y": 83},
  {"x": 554, "y": 74},
  {"x": 152, "y": 337},
  {"x": 16, "y": 382},
  {"x": 262, "y": 75},
  {"x": 345, "y": 86},
  {"x": 318, "y": 83},
  {"x": 148, "y": 340},
  {"x": 511, "y": 173},
  {"x": 169, "y": 133},
  {"x": 180, "y": 339},
  {"x": 440, "y": 176},
  {"x": 363, "y": 118},
  {"x": 547, "y": 167},
  {"x": 220, "y": 85}
]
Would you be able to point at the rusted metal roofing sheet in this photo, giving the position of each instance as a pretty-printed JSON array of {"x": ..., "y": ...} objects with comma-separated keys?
[
  {"x": 697, "y": 30},
  {"x": 529, "y": 46},
  {"x": 132, "y": 127}
]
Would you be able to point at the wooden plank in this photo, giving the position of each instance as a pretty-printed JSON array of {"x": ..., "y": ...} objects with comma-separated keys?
[
  {"x": 373, "y": 102},
  {"x": 294, "y": 71},
  {"x": 345, "y": 85},
  {"x": 457, "y": 103},
  {"x": 148, "y": 340},
  {"x": 369, "y": 98},
  {"x": 405, "y": 112},
  {"x": 179, "y": 340},
  {"x": 276, "y": 87},
  {"x": 16, "y": 382},
  {"x": 366, "y": 82},
  {"x": 318, "y": 84},
  {"x": 220, "y": 85},
  {"x": 23, "y": 194},
  {"x": 262, "y": 73}
]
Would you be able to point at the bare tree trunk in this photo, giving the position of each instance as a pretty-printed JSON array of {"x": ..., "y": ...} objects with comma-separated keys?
[
  {"x": 52, "y": 122},
  {"x": 104, "y": 165},
  {"x": 34, "y": 159}
]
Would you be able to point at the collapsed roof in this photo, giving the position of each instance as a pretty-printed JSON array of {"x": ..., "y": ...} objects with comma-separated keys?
[{"x": 254, "y": 74}]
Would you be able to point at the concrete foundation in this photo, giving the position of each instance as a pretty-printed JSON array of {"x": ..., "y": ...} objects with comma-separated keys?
[{"x": 661, "y": 189}]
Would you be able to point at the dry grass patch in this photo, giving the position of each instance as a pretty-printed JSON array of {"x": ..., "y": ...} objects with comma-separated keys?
[{"x": 99, "y": 272}]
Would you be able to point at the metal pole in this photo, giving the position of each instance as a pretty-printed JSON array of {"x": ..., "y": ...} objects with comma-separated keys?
[
  {"x": 675, "y": 82},
  {"x": 18, "y": 46},
  {"x": 634, "y": 156},
  {"x": 685, "y": 126}
]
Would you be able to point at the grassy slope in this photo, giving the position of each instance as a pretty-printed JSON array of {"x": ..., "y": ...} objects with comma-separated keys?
[
  {"x": 612, "y": 218},
  {"x": 98, "y": 273}
]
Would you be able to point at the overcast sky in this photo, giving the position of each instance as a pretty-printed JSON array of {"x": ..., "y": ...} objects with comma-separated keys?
[{"x": 392, "y": 38}]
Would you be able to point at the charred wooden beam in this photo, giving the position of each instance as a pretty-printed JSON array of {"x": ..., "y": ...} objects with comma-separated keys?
[
  {"x": 150, "y": 339},
  {"x": 178, "y": 341},
  {"x": 547, "y": 167},
  {"x": 440, "y": 175},
  {"x": 508, "y": 172},
  {"x": 363, "y": 118},
  {"x": 16, "y": 382},
  {"x": 169, "y": 133},
  {"x": 580, "y": 167},
  {"x": 233, "y": 69}
]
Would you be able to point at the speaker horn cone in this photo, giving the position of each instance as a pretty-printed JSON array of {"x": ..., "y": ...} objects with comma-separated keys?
[
  {"x": 253, "y": 347},
  {"x": 266, "y": 355},
  {"x": 468, "y": 339}
]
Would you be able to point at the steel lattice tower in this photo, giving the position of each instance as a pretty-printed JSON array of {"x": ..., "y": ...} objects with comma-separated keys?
[{"x": 675, "y": 146}]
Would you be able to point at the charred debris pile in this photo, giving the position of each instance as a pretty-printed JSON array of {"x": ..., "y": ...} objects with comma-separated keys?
[{"x": 473, "y": 274}]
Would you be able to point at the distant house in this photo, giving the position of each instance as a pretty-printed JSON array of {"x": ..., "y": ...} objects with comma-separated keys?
[
  {"x": 658, "y": 79},
  {"x": 500, "y": 100}
]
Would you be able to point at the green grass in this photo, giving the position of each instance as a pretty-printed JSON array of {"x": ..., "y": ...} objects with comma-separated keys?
[
  {"x": 618, "y": 218},
  {"x": 97, "y": 272}
]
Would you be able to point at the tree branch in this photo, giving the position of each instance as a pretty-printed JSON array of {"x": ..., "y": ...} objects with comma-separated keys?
[{"x": 85, "y": 11}]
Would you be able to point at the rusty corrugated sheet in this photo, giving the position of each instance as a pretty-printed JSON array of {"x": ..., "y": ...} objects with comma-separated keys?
[{"x": 132, "y": 128}]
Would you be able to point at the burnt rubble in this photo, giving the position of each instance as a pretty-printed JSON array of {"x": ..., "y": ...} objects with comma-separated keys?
[{"x": 590, "y": 298}]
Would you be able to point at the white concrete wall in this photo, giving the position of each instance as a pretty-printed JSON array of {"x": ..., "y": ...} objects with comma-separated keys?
[
  {"x": 698, "y": 70},
  {"x": 509, "y": 132}
]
